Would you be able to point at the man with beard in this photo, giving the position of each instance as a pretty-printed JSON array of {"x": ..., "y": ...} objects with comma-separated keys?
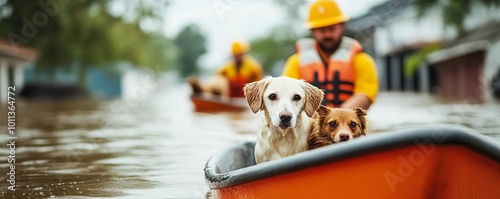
[{"x": 333, "y": 62}]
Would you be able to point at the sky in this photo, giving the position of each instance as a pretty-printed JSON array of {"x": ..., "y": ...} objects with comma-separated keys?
[{"x": 224, "y": 21}]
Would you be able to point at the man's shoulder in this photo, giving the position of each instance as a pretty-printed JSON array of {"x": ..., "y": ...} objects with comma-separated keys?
[
  {"x": 294, "y": 58},
  {"x": 292, "y": 67},
  {"x": 363, "y": 55},
  {"x": 226, "y": 65},
  {"x": 292, "y": 63},
  {"x": 363, "y": 59}
]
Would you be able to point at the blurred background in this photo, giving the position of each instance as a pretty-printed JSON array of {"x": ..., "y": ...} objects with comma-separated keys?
[{"x": 103, "y": 110}]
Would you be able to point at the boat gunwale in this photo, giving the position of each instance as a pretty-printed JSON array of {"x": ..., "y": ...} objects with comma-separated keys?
[
  {"x": 218, "y": 103},
  {"x": 371, "y": 144},
  {"x": 208, "y": 97}
]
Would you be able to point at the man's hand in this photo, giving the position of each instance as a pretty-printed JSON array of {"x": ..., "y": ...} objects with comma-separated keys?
[{"x": 357, "y": 100}]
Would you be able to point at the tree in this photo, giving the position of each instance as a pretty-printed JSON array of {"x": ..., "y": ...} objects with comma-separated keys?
[
  {"x": 275, "y": 47},
  {"x": 84, "y": 33},
  {"x": 191, "y": 45},
  {"x": 413, "y": 61},
  {"x": 454, "y": 12}
]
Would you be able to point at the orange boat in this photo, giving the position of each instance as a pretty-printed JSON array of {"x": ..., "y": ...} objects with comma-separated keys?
[
  {"x": 213, "y": 103},
  {"x": 431, "y": 162}
]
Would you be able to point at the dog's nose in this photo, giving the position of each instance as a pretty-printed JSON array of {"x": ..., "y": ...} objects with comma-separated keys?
[
  {"x": 344, "y": 137},
  {"x": 285, "y": 117}
]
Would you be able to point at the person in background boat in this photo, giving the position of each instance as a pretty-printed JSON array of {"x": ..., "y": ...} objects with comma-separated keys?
[
  {"x": 242, "y": 69},
  {"x": 233, "y": 75},
  {"x": 333, "y": 62}
]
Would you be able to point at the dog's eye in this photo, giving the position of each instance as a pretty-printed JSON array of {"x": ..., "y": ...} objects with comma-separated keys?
[
  {"x": 296, "y": 97},
  {"x": 272, "y": 97},
  {"x": 332, "y": 124},
  {"x": 353, "y": 125}
]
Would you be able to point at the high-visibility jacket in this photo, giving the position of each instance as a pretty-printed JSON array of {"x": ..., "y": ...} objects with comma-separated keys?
[
  {"x": 346, "y": 72},
  {"x": 249, "y": 71}
]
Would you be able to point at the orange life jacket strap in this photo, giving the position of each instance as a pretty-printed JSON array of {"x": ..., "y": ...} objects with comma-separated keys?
[{"x": 338, "y": 77}]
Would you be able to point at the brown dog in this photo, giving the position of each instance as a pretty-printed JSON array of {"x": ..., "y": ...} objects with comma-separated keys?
[{"x": 334, "y": 125}]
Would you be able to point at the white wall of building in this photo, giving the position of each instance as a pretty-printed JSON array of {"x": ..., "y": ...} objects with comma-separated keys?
[
  {"x": 18, "y": 67},
  {"x": 19, "y": 75},
  {"x": 4, "y": 80},
  {"x": 405, "y": 29},
  {"x": 492, "y": 63}
]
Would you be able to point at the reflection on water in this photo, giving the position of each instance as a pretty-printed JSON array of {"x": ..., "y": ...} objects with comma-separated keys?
[
  {"x": 157, "y": 147},
  {"x": 400, "y": 110}
]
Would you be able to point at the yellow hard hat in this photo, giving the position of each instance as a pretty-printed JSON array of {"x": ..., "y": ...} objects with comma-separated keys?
[
  {"x": 240, "y": 47},
  {"x": 324, "y": 13}
]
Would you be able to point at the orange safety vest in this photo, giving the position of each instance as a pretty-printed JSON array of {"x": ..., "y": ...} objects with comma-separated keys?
[
  {"x": 338, "y": 77},
  {"x": 236, "y": 85}
]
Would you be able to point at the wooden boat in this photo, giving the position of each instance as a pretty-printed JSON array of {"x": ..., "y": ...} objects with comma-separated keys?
[
  {"x": 213, "y": 103},
  {"x": 430, "y": 162}
]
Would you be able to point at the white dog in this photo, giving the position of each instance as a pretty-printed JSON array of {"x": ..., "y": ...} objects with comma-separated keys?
[{"x": 287, "y": 105}]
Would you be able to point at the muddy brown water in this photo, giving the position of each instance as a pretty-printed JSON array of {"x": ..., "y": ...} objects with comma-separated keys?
[{"x": 156, "y": 146}]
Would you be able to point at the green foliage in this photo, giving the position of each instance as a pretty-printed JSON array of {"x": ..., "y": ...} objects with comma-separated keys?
[
  {"x": 413, "y": 61},
  {"x": 84, "y": 32},
  {"x": 277, "y": 46},
  {"x": 292, "y": 8},
  {"x": 273, "y": 48},
  {"x": 191, "y": 45},
  {"x": 454, "y": 11}
]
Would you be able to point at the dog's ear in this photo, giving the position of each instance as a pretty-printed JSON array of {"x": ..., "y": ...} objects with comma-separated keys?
[
  {"x": 254, "y": 92},
  {"x": 361, "y": 116},
  {"x": 314, "y": 96},
  {"x": 323, "y": 111}
]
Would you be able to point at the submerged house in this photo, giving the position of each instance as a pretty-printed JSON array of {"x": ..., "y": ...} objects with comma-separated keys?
[
  {"x": 110, "y": 81},
  {"x": 466, "y": 65},
  {"x": 17, "y": 69},
  {"x": 392, "y": 32},
  {"x": 14, "y": 60}
]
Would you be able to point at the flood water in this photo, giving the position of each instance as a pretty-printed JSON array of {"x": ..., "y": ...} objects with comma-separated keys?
[{"x": 155, "y": 146}]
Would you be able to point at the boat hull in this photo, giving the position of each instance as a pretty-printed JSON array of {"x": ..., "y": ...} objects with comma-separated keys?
[
  {"x": 211, "y": 103},
  {"x": 415, "y": 164}
]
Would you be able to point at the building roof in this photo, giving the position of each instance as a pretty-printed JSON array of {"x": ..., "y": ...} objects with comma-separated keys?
[
  {"x": 473, "y": 41},
  {"x": 378, "y": 15},
  {"x": 18, "y": 52},
  {"x": 488, "y": 31},
  {"x": 457, "y": 51}
]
